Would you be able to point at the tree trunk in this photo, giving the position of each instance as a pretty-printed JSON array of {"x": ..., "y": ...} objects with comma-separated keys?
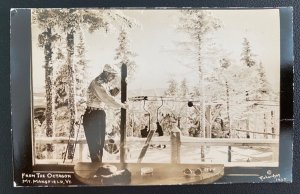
[
  {"x": 71, "y": 75},
  {"x": 49, "y": 83},
  {"x": 228, "y": 114},
  {"x": 202, "y": 104},
  {"x": 227, "y": 104}
]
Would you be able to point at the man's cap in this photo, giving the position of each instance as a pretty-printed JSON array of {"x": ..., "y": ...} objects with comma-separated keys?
[{"x": 111, "y": 69}]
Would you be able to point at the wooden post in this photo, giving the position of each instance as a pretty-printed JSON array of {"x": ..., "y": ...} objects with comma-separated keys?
[
  {"x": 208, "y": 124},
  {"x": 255, "y": 125},
  {"x": 272, "y": 125},
  {"x": 202, "y": 154},
  {"x": 80, "y": 151},
  {"x": 247, "y": 128},
  {"x": 132, "y": 125},
  {"x": 265, "y": 126},
  {"x": 175, "y": 147},
  {"x": 275, "y": 150},
  {"x": 123, "y": 115},
  {"x": 229, "y": 153}
]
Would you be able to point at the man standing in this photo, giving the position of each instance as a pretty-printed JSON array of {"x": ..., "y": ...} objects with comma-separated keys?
[{"x": 100, "y": 97}]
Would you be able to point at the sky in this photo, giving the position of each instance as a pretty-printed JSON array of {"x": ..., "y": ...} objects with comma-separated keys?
[{"x": 155, "y": 43}]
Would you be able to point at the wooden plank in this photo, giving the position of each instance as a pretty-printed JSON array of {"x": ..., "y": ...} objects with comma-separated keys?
[
  {"x": 146, "y": 145},
  {"x": 207, "y": 143},
  {"x": 163, "y": 174},
  {"x": 266, "y": 133},
  {"x": 175, "y": 147}
]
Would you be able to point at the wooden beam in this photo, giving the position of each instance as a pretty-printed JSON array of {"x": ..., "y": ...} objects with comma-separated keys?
[
  {"x": 123, "y": 115},
  {"x": 183, "y": 139},
  {"x": 266, "y": 133}
]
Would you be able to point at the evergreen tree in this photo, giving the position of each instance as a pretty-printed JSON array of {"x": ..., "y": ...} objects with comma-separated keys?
[
  {"x": 62, "y": 115},
  {"x": 225, "y": 64},
  {"x": 198, "y": 24},
  {"x": 172, "y": 89},
  {"x": 184, "y": 90},
  {"x": 247, "y": 57},
  {"x": 80, "y": 75},
  {"x": 195, "y": 92},
  {"x": 61, "y": 79},
  {"x": 264, "y": 86},
  {"x": 46, "y": 21},
  {"x": 124, "y": 55},
  {"x": 71, "y": 21}
]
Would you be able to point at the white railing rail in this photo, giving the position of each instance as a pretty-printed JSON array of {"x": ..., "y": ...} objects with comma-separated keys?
[{"x": 176, "y": 142}]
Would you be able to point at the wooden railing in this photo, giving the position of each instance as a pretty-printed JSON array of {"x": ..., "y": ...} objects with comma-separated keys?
[{"x": 175, "y": 141}]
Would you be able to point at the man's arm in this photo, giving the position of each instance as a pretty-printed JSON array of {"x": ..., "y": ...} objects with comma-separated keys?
[{"x": 102, "y": 95}]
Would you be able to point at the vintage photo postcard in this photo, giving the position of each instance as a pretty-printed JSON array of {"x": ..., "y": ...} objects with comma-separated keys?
[{"x": 151, "y": 96}]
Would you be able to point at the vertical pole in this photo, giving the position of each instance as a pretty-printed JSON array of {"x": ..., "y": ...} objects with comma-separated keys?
[
  {"x": 80, "y": 151},
  {"x": 248, "y": 128},
  {"x": 255, "y": 126},
  {"x": 123, "y": 115},
  {"x": 208, "y": 124},
  {"x": 175, "y": 147},
  {"x": 229, "y": 121},
  {"x": 132, "y": 125},
  {"x": 272, "y": 124},
  {"x": 265, "y": 126},
  {"x": 275, "y": 150}
]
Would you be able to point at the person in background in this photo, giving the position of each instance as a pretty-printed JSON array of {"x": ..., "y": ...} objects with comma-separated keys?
[
  {"x": 100, "y": 97},
  {"x": 144, "y": 132},
  {"x": 159, "y": 129},
  {"x": 160, "y": 132}
]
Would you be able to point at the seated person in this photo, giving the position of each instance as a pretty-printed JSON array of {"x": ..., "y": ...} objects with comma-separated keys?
[
  {"x": 159, "y": 129},
  {"x": 144, "y": 132}
]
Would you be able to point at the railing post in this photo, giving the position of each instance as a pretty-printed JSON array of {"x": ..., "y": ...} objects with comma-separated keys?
[
  {"x": 208, "y": 124},
  {"x": 265, "y": 126},
  {"x": 123, "y": 116},
  {"x": 175, "y": 147},
  {"x": 247, "y": 128},
  {"x": 229, "y": 153},
  {"x": 80, "y": 151},
  {"x": 275, "y": 150},
  {"x": 272, "y": 125}
]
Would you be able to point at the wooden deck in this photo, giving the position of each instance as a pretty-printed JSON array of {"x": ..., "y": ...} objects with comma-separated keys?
[{"x": 163, "y": 174}]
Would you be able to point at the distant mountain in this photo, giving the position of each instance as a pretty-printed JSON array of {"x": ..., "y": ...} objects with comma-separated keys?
[
  {"x": 39, "y": 97},
  {"x": 146, "y": 92}
]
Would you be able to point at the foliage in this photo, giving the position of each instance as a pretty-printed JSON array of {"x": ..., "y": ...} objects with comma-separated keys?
[
  {"x": 247, "y": 57},
  {"x": 124, "y": 55}
]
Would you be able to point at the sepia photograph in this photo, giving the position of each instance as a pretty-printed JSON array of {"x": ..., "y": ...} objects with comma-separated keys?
[{"x": 154, "y": 96}]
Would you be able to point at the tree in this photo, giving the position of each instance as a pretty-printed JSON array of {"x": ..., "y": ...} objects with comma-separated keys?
[
  {"x": 172, "y": 89},
  {"x": 68, "y": 22},
  {"x": 247, "y": 57},
  {"x": 198, "y": 24},
  {"x": 194, "y": 92},
  {"x": 46, "y": 40},
  {"x": 225, "y": 63},
  {"x": 264, "y": 86},
  {"x": 184, "y": 90},
  {"x": 80, "y": 75},
  {"x": 124, "y": 55},
  {"x": 61, "y": 80},
  {"x": 71, "y": 21}
]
